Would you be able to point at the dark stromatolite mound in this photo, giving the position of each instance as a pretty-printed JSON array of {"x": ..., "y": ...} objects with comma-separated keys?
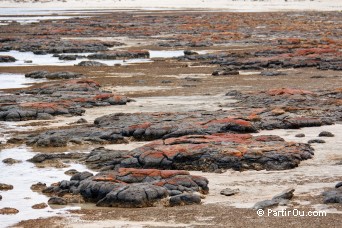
[
  {"x": 59, "y": 98},
  {"x": 112, "y": 55},
  {"x": 7, "y": 59},
  {"x": 288, "y": 108},
  {"x": 55, "y": 75},
  {"x": 144, "y": 126},
  {"x": 133, "y": 187},
  {"x": 91, "y": 64},
  {"x": 333, "y": 196},
  {"x": 57, "y": 45},
  {"x": 207, "y": 153}
]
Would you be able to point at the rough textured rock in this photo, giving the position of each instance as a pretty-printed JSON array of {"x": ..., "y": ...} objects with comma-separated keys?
[
  {"x": 5, "y": 187},
  {"x": 57, "y": 201},
  {"x": 333, "y": 196},
  {"x": 229, "y": 192},
  {"x": 281, "y": 198},
  {"x": 40, "y": 206},
  {"x": 326, "y": 134},
  {"x": 206, "y": 153},
  {"x": 8, "y": 211},
  {"x": 288, "y": 108},
  {"x": 58, "y": 98},
  {"x": 185, "y": 199},
  {"x": 55, "y": 75},
  {"x": 38, "y": 187},
  {"x": 316, "y": 141},
  {"x": 143, "y": 126},
  {"x": 49, "y": 156},
  {"x": 11, "y": 161},
  {"x": 7, "y": 59},
  {"x": 300, "y": 135},
  {"x": 91, "y": 64},
  {"x": 112, "y": 55},
  {"x": 129, "y": 187}
]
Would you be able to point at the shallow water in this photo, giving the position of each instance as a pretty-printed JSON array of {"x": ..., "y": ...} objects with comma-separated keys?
[
  {"x": 49, "y": 60},
  {"x": 10, "y": 81},
  {"x": 22, "y": 176},
  {"x": 34, "y": 19},
  {"x": 166, "y": 54}
]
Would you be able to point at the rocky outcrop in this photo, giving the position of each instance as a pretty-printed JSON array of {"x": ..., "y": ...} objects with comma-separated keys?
[
  {"x": 55, "y": 75},
  {"x": 134, "y": 188},
  {"x": 91, "y": 64},
  {"x": 59, "y": 98},
  {"x": 7, "y": 59},
  {"x": 112, "y": 55},
  {"x": 116, "y": 128},
  {"x": 333, "y": 195},
  {"x": 206, "y": 153},
  {"x": 288, "y": 108}
]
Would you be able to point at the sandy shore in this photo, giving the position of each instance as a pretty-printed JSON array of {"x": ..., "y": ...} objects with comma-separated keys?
[{"x": 220, "y": 5}]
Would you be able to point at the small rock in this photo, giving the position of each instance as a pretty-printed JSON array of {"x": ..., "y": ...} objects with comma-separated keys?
[
  {"x": 326, "y": 134},
  {"x": 287, "y": 194},
  {"x": 71, "y": 172},
  {"x": 265, "y": 203},
  {"x": 300, "y": 135},
  {"x": 8, "y": 210},
  {"x": 280, "y": 199},
  {"x": 338, "y": 185},
  {"x": 81, "y": 120},
  {"x": 40, "y": 206},
  {"x": 229, "y": 192},
  {"x": 11, "y": 161},
  {"x": 316, "y": 141},
  {"x": 91, "y": 64},
  {"x": 332, "y": 196},
  {"x": 185, "y": 199},
  {"x": 5, "y": 187},
  {"x": 188, "y": 52},
  {"x": 0, "y": 197},
  {"x": 57, "y": 201},
  {"x": 38, "y": 187}
]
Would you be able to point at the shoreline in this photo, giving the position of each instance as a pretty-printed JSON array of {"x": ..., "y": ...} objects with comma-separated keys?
[{"x": 219, "y": 5}]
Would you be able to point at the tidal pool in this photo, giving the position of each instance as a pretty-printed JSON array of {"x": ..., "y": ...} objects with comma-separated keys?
[{"x": 22, "y": 176}]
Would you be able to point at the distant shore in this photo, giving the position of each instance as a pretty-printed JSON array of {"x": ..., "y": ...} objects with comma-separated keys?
[{"x": 220, "y": 5}]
